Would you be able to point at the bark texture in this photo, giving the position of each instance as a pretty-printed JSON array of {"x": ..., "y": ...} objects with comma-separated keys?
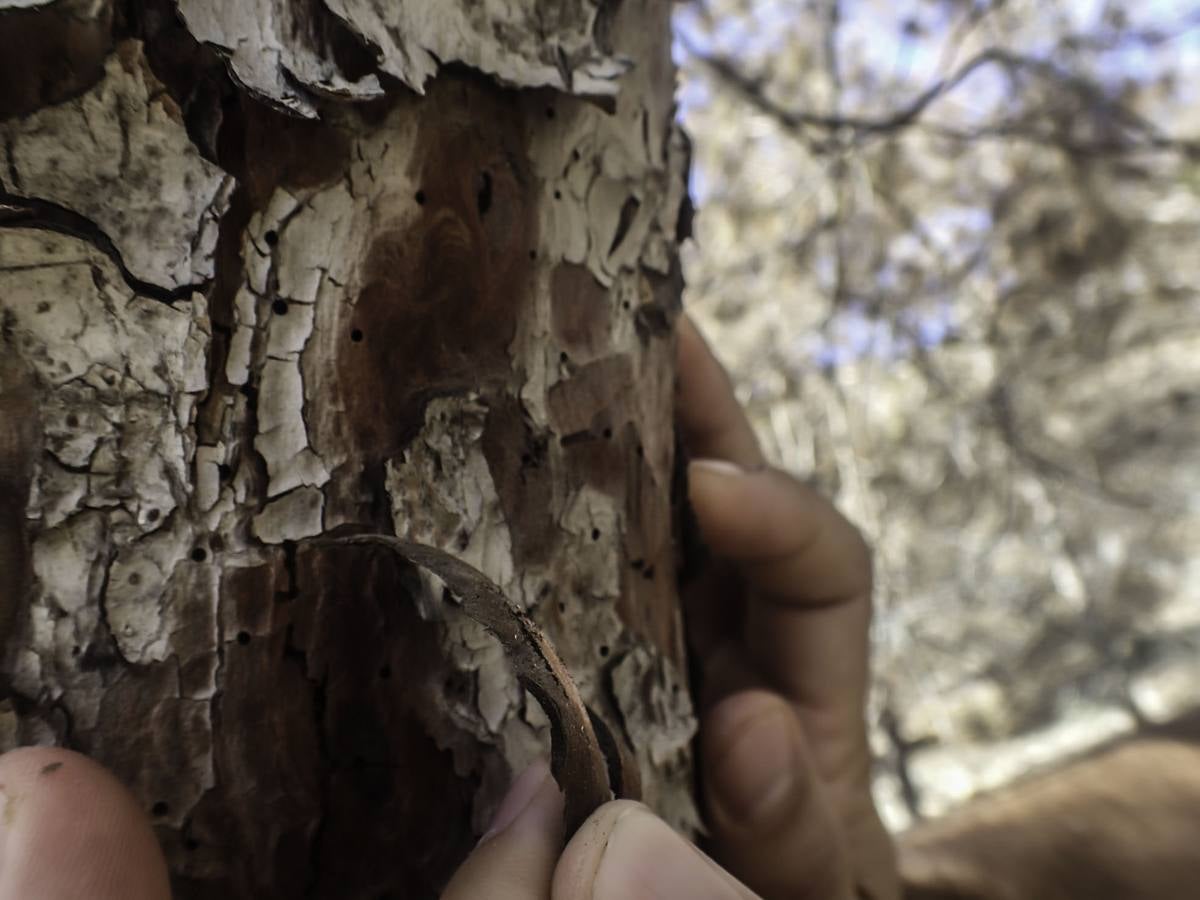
[{"x": 272, "y": 270}]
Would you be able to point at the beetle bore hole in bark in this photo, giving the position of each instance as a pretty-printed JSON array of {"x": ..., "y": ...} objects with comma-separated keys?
[
  {"x": 356, "y": 335},
  {"x": 385, "y": 672},
  {"x": 533, "y": 254},
  {"x": 271, "y": 237},
  {"x": 604, "y": 649},
  {"x": 607, "y": 434},
  {"x": 152, "y": 515},
  {"x": 595, "y": 534},
  {"x": 243, "y": 638},
  {"x": 563, "y": 358},
  {"x": 224, "y": 471},
  {"x": 420, "y": 198},
  {"x": 135, "y": 578},
  {"x": 558, "y": 195},
  {"x": 483, "y": 193},
  {"x": 199, "y": 554},
  {"x": 280, "y": 307},
  {"x": 551, "y": 112},
  {"x": 191, "y": 844},
  {"x": 72, "y": 421},
  {"x": 160, "y": 808},
  {"x": 562, "y": 607}
]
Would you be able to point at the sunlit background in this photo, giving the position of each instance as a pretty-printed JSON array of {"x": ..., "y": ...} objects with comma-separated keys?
[{"x": 951, "y": 251}]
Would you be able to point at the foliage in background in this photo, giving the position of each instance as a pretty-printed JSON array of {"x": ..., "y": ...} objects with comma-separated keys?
[{"x": 951, "y": 250}]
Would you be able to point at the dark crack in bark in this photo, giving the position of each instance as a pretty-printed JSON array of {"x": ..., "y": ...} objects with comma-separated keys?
[{"x": 32, "y": 212}]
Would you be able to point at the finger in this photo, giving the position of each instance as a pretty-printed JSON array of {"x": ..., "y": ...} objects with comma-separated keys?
[
  {"x": 69, "y": 829},
  {"x": 809, "y": 570},
  {"x": 771, "y": 822},
  {"x": 625, "y": 852},
  {"x": 711, "y": 419},
  {"x": 515, "y": 858}
]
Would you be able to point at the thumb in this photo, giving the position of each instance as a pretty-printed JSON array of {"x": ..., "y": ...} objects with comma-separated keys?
[
  {"x": 770, "y": 820},
  {"x": 625, "y": 852},
  {"x": 515, "y": 858}
]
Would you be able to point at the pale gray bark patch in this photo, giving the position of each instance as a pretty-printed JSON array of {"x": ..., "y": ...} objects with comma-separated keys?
[
  {"x": 277, "y": 49},
  {"x": 298, "y": 514},
  {"x": 124, "y": 373},
  {"x": 656, "y": 707},
  {"x": 521, "y": 42},
  {"x": 120, "y": 157}
]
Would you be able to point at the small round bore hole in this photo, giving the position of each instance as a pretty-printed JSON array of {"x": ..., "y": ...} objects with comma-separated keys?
[
  {"x": 420, "y": 198},
  {"x": 356, "y": 335},
  {"x": 271, "y": 237},
  {"x": 191, "y": 844},
  {"x": 72, "y": 421},
  {"x": 533, "y": 254},
  {"x": 558, "y": 195},
  {"x": 595, "y": 534},
  {"x": 551, "y": 112},
  {"x": 604, "y": 649},
  {"x": 152, "y": 515},
  {"x": 243, "y": 638},
  {"x": 199, "y": 554},
  {"x": 280, "y": 307},
  {"x": 385, "y": 672},
  {"x": 562, "y": 357},
  {"x": 160, "y": 808},
  {"x": 607, "y": 434}
]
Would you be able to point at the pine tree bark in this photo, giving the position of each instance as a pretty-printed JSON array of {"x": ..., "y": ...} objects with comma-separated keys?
[{"x": 275, "y": 270}]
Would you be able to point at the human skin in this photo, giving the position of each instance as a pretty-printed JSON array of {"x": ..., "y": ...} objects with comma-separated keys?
[{"x": 778, "y": 625}]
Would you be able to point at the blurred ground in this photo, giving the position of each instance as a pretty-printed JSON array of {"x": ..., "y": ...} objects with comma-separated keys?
[{"x": 951, "y": 251}]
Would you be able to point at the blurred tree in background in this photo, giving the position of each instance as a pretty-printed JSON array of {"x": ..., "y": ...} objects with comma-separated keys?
[{"x": 951, "y": 249}]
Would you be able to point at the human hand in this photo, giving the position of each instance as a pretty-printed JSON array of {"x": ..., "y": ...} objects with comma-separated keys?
[{"x": 778, "y": 623}]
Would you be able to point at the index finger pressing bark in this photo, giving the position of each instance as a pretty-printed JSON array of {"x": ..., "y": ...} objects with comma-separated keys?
[{"x": 711, "y": 419}]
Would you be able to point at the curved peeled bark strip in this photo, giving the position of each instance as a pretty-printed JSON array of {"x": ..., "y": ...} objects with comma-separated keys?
[{"x": 577, "y": 760}]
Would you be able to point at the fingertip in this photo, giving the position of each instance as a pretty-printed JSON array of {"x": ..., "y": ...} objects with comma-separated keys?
[
  {"x": 515, "y": 859},
  {"x": 57, "y": 802},
  {"x": 624, "y": 851},
  {"x": 753, "y": 760},
  {"x": 577, "y": 867}
]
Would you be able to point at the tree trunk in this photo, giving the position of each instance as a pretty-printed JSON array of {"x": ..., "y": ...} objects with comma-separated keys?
[{"x": 272, "y": 270}]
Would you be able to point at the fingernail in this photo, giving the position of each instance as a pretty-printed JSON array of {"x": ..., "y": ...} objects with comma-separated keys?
[
  {"x": 753, "y": 759},
  {"x": 645, "y": 858},
  {"x": 518, "y": 798},
  {"x": 716, "y": 466}
]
